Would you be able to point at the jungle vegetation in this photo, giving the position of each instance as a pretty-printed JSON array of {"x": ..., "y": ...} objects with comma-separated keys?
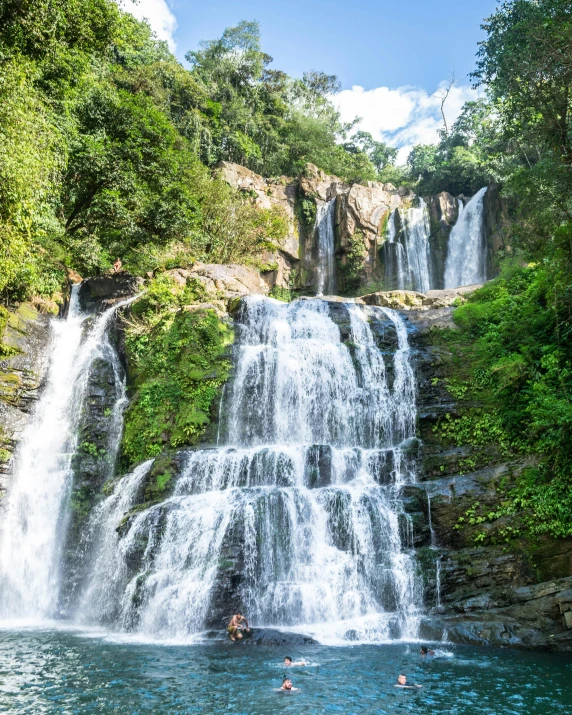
[{"x": 107, "y": 145}]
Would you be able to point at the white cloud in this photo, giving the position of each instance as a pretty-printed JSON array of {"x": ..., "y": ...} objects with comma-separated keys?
[
  {"x": 158, "y": 14},
  {"x": 404, "y": 116}
]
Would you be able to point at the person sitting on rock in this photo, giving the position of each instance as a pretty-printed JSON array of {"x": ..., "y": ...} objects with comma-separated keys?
[
  {"x": 425, "y": 651},
  {"x": 287, "y": 685},
  {"x": 402, "y": 682},
  {"x": 236, "y": 625},
  {"x": 117, "y": 265},
  {"x": 288, "y": 662}
]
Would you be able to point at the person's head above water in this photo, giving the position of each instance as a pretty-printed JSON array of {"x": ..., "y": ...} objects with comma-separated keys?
[
  {"x": 402, "y": 679},
  {"x": 424, "y": 650},
  {"x": 287, "y": 684},
  {"x": 287, "y": 660}
]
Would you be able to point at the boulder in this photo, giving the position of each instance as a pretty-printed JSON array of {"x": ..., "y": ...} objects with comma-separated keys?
[
  {"x": 412, "y": 300},
  {"x": 222, "y": 282},
  {"x": 103, "y": 291},
  {"x": 265, "y": 637}
]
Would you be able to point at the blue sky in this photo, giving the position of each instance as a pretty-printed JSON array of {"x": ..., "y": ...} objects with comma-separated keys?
[{"x": 391, "y": 57}]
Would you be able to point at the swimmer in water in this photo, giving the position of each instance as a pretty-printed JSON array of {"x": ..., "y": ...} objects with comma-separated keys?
[
  {"x": 288, "y": 662},
  {"x": 402, "y": 683},
  {"x": 287, "y": 685},
  {"x": 425, "y": 651}
]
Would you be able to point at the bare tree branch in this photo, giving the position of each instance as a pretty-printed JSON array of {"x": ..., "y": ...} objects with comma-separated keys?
[{"x": 443, "y": 99}]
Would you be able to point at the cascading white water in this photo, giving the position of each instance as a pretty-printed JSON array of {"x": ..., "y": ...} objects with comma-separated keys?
[
  {"x": 410, "y": 262},
  {"x": 99, "y": 597},
  {"x": 302, "y": 500},
  {"x": 34, "y": 520},
  {"x": 467, "y": 257},
  {"x": 326, "y": 241}
]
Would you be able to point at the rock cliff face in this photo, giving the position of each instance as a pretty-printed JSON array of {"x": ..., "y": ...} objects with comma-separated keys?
[
  {"x": 443, "y": 212},
  {"x": 267, "y": 193},
  {"x": 361, "y": 217},
  {"x": 513, "y": 592},
  {"x": 23, "y": 363}
]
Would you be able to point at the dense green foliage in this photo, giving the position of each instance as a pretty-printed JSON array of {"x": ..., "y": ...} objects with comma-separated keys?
[
  {"x": 516, "y": 332},
  {"x": 522, "y": 353},
  {"x": 178, "y": 359},
  {"x": 107, "y": 143}
]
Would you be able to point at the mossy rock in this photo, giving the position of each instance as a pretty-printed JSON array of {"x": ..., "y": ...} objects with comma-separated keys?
[
  {"x": 160, "y": 480},
  {"x": 177, "y": 366}
]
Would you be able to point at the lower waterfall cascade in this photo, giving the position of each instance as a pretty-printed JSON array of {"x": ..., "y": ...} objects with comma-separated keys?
[
  {"x": 33, "y": 527},
  {"x": 304, "y": 491},
  {"x": 296, "y": 515}
]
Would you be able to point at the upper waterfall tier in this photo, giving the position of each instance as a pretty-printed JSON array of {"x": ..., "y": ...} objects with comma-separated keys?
[
  {"x": 467, "y": 250},
  {"x": 420, "y": 255},
  {"x": 325, "y": 231},
  {"x": 297, "y": 518},
  {"x": 408, "y": 252}
]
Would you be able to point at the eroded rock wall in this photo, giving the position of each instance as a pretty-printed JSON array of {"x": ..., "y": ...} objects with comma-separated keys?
[
  {"x": 361, "y": 216},
  {"x": 25, "y": 340},
  {"x": 483, "y": 583}
]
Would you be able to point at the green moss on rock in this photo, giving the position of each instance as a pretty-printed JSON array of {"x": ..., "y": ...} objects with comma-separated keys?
[{"x": 178, "y": 361}]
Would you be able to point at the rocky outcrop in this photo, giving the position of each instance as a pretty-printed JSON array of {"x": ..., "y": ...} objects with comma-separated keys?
[
  {"x": 443, "y": 213},
  {"x": 412, "y": 300},
  {"x": 316, "y": 184},
  {"x": 103, "y": 291},
  {"x": 361, "y": 216},
  {"x": 269, "y": 193},
  {"x": 537, "y": 616},
  {"x": 221, "y": 283},
  {"x": 23, "y": 365}
]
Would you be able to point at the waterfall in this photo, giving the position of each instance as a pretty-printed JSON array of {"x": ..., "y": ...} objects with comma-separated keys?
[
  {"x": 34, "y": 520},
  {"x": 296, "y": 517},
  {"x": 466, "y": 262},
  {"x": 408, "y": 256},
  {"x": 430, "y": 520},
  {"x": 438, "y": 582},
  {"x": 99, "y": 597},
  {"x": 326, "y": 243}
]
